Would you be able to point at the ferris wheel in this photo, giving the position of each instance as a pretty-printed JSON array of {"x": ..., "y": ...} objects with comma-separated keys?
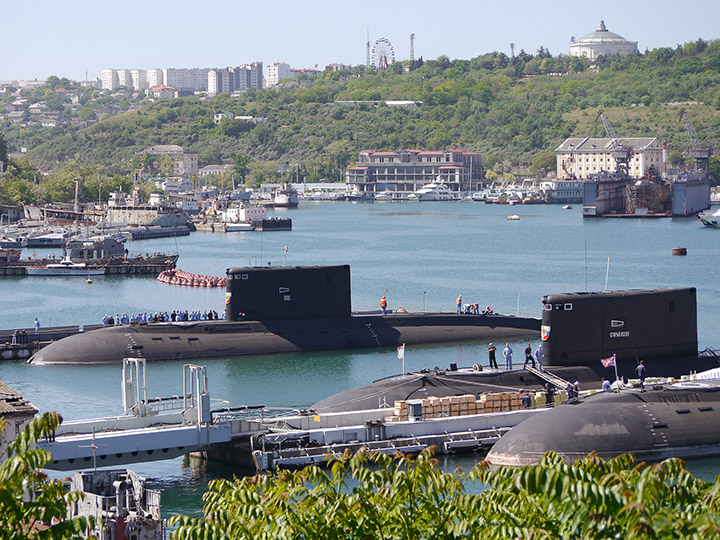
[{"x": 383, "y": 54}]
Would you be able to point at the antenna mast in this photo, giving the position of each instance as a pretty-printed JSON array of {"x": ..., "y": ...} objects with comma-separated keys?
[
  {"x": 367, "y": 50},
  {"x": 412, "y": 48}
]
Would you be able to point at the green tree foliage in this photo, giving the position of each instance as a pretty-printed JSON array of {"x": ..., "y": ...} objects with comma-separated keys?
[
  {"x": 373, "y": 496},
  {"x": 32, "y": 506}
]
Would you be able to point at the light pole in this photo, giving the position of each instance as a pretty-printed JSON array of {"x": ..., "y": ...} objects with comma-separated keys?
[{"x": 424, "y": 293}]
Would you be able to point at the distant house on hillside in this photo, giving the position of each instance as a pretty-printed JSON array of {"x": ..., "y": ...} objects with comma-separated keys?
[{"x": 161, "y": 91}]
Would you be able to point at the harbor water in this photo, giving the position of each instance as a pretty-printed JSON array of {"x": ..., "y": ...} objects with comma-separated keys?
[{"x": 421, "y": 256}]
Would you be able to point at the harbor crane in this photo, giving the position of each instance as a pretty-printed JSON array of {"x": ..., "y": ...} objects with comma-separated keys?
[
  {"x": 621, "y": 154},
  {"x": 700, "y": 154}
]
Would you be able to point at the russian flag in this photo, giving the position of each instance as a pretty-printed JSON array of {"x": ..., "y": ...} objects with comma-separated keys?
[{"x": 608, "y": 362}]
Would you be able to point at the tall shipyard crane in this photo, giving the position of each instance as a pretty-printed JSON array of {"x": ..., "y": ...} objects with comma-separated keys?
[
  {"x": 700, "y": 154},
  {"x": 621, "y": 154}
]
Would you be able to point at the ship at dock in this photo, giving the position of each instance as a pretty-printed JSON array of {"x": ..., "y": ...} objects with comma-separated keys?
[{"x": 89, "y": 256}]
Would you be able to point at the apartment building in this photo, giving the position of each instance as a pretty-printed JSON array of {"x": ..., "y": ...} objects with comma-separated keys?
[
  {"x": 275, "y": 72},
  {"x": 232, "y": 79}
]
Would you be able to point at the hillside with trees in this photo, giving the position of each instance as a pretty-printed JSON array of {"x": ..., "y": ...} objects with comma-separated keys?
[{"x": 515, "y": 111}]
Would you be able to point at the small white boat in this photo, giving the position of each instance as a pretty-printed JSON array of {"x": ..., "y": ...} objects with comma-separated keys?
[
  {"x": 66, "y": 267},
  {"x": 567, "y": 207},
  {"x": 513, "y": 217},
  {"x": 710, "y": 218}
]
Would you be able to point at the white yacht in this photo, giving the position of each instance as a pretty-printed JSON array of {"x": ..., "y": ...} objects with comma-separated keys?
[{"x": 434, "y": 191}]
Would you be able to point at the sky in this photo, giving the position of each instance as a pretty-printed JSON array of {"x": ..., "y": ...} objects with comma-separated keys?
[{"x": 70, "y": 38}]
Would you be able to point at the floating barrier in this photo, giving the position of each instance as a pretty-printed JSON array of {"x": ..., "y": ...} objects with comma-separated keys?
[{"x": 178, "y": 277}]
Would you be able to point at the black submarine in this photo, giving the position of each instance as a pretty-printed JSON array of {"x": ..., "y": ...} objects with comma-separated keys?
[
  {"x": 675, "y": 420},
  {"x": 275, "y": 310},
  {"x": 658, "y": 326}
]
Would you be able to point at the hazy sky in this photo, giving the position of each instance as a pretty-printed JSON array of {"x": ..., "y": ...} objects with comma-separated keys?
[{"x": 40, "y": 38}]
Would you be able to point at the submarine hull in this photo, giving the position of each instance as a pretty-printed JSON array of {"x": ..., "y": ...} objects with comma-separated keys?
[
  {"x": 679, "y": 420},
  {"x": 441, "y": 383},
  {"x": 208, "y": 339}
]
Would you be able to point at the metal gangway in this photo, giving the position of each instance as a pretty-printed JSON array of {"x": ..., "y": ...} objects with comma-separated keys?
[
  {"x": 548, "y": 377},
  {"x": 149, "y": 429}
]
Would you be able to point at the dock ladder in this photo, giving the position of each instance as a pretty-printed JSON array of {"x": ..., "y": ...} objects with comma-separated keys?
[{"x": 549, "y": 377}]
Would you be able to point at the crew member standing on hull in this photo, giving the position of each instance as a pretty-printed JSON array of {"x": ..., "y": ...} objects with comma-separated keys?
[
  {"x": 539, "y": 357},
  {"x": 491, "y": 356},
  {"x": 641, "y": 374},
  {"x": 529, "y": 357},
  {"x": 507, "y": 353},
  {"x": 383, "y": 305},
  {"x": 459, "y": 304}
]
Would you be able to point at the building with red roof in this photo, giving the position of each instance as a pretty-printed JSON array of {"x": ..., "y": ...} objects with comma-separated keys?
[{"x": 406, "y": 171}]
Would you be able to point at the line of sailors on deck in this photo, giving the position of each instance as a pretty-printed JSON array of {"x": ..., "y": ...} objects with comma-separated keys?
[{"x": 175, "y": 316}]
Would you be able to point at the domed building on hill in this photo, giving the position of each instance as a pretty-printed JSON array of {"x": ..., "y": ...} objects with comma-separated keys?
[{"x": 601, "y": 42}]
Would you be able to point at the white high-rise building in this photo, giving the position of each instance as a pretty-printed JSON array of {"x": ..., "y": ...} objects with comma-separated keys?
[
  {"x": 155, "y": 77},
  {"x": 276, "y": 72},
  {"x": 124, "y": 78},
  {"x": 139, "y": 79},
  {"x": 186, "y": 78},
  {"x": 109, "y": 79},
  {"x": 234, "y": 79}
]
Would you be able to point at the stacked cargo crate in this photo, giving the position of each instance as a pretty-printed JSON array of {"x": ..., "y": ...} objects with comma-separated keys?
[{"x": 442, "y": 407}]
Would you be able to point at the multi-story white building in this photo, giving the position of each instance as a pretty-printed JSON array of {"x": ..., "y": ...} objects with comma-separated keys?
[
  {"x": 232, "y": 79},
  {"x": 406, "y": 171},
  {"x": 138, "y": 78},
  {"x": 276, "y": 72},
  {"x": 155, "y": 77},
  {"x": 109, "y": 79},
  {"x": 601, "y": 42},
  {"x": 186, "y": 78},
  {"x": 579, "y": 158},
  {"x": 183, "y": 164},
  {"x": 124, "y": 78}
]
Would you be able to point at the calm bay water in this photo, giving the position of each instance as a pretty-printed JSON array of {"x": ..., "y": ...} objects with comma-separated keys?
[{"x": 421, "y": 256}]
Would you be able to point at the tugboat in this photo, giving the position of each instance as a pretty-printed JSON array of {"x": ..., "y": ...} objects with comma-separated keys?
[{"x": 285, "y": 197}]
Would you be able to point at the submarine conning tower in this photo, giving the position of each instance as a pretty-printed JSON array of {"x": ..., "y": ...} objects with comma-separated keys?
[
  {"x": 656, "y": 325},
  {"x": 287, "y": 292}
]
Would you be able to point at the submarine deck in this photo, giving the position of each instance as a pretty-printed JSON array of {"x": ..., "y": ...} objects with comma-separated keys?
[{"x": 208, "y": 339}]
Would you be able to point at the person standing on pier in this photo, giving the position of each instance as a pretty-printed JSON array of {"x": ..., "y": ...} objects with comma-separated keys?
[
  {"x": 507, "y": 353},
  {"x": 36, "y": 326},
  {"x": 383, "y": 305},
  {"x": 491, "y": 356}
]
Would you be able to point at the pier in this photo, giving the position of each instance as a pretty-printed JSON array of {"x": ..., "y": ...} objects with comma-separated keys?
[
  {"x": 150, "y": 429},
  {"x": 27, "y": 342},
  {"x": 255, "y": 436}
]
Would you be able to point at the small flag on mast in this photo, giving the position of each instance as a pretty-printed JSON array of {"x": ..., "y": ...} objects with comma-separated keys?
[
  {"x": 401, "y": 352},
  {"x": 608, "y": 362}
]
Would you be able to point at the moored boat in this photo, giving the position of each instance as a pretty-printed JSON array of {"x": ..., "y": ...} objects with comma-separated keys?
[
  {"x": 434, "y": 191},
  {"x": 710, "y": 218},
  {"x": 66, "y": 267}
]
